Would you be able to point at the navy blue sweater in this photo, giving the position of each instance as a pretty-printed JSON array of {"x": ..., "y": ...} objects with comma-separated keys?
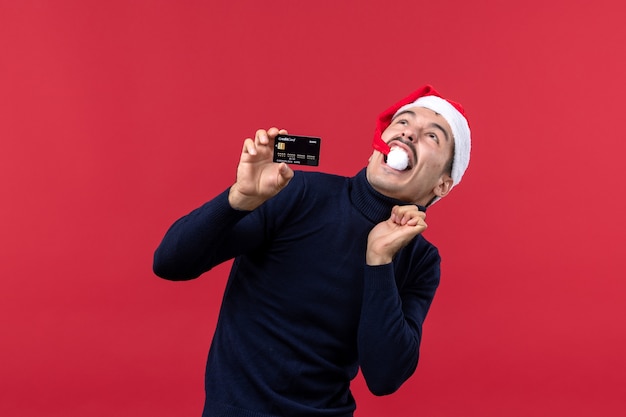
[{"x": 302, "y": 311}]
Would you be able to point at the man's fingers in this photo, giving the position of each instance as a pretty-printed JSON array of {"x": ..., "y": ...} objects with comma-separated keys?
[
  {"x": 264, "y": 137},
  {"x": 285, "y": 174},
  {"x": 272, "y": 132},
  {"x": 249, "y": 147},
  {"x": 261, "y": 137},
  {"x": 407, "y": 215}
]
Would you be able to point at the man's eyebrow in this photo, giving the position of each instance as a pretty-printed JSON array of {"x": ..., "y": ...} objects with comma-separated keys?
[
  {"x": 404, "y": 112},
  {"x": 431, "y": 125},
  {"x": 438, "y": 126}
]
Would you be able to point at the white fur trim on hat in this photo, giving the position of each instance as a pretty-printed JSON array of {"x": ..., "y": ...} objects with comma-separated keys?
[{"x": 460, "y": 131}]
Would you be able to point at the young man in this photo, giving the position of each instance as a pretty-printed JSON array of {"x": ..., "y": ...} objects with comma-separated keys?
[{"x": 330, "y": 273}]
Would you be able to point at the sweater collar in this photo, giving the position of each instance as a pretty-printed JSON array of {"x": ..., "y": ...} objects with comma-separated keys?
[{"x": 375, "y": 206}]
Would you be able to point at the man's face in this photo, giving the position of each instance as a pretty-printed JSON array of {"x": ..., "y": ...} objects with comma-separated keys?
[{"x": 427, "y": 139}]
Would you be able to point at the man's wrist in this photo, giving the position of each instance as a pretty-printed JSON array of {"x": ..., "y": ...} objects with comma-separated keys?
[
  {"x": 239, "y": 201},
  {"x": 375, "y": 259}
]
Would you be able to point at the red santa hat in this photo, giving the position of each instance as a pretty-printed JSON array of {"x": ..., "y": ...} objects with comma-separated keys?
[{"x": 452, "y": 112}]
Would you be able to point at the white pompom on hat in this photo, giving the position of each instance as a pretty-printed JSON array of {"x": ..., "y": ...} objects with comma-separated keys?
[{"x": 452, "y": 112}]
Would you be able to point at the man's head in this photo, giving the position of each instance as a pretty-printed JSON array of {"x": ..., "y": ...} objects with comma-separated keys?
[{"x": 436, "y": 137}]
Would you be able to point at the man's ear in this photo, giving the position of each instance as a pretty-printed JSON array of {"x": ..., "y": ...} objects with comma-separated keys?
[{"x": 444, "y": 186}]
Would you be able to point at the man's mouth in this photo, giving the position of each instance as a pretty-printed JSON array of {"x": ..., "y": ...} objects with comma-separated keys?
[{"x": 399, "y": 157}]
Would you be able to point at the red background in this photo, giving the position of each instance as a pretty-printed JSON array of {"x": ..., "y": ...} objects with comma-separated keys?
[{"x": 117, "y": 117}]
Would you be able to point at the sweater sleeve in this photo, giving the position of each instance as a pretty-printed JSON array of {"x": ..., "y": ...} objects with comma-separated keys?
[
  {"x": 215, "y": 232},
  {"x": 203, "y": 239},
  {"x": 390, "y": 328}
]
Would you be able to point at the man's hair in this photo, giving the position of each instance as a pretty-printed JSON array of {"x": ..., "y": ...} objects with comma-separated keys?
[{"x": 448, "y": 168}]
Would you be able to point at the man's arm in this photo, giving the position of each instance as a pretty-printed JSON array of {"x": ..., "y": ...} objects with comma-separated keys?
[
  {"x": 390, "y": 328},
  {"x": 391, "y": 319},
  {"x": 197, "y": 242}
]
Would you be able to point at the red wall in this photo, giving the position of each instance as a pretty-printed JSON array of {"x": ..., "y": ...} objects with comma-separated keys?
[{"x": 117, "y": 117}]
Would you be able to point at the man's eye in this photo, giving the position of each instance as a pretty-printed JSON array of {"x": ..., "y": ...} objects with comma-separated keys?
[{"x": 433, "y": 137}]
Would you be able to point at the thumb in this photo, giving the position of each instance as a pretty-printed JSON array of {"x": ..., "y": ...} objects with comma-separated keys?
[{"x": 284, "y": 174}]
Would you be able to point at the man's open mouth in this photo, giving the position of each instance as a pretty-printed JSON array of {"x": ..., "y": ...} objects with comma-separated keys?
[{"x": 398, "y": 159}]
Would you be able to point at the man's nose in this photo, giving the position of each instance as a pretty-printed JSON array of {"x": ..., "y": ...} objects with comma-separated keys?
[{"x": 409, "y": 135}]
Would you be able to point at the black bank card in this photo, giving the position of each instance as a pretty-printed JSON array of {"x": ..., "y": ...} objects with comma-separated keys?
[{"x": 299, "y": 150}]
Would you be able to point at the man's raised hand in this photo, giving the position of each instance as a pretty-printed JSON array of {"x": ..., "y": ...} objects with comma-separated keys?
[
  {"x": 258, "y": 177},
  {"x": 391, "y": 235}
]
